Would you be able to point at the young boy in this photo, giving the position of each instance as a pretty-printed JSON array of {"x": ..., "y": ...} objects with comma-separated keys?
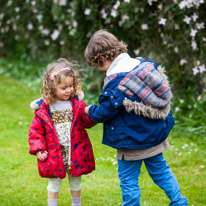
[{"x": 135, "y": 109}]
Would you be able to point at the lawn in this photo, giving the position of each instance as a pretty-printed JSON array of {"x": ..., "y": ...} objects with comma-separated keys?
[{"x": 20, "y": 184}]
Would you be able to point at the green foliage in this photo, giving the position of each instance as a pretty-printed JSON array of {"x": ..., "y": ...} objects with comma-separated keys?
[
  {"x": 170, "y": 32},
  {"x": 21, "y": 184},
  {"x": 190, "y": 117}
]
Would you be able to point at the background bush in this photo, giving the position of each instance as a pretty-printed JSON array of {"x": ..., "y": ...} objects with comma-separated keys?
[{"x": 171, "y": 32}]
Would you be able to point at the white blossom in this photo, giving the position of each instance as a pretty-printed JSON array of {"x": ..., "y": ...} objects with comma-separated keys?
[
  {"x": 183, "y": 61},
  {"x": 9, "y": 3},
  {"x": 124, "y": 18},
  {"x": 116, "y": 6},
  {"x": 127, "y": 1},
  {"x": 199, "y": 97},
  {"x": 189, "y": 4},
  {"x": 136, "y": 51},
  {"x": 2, "y": 15},
  {"x": 160, "y": 7},
  {"x": 198, "y": 2},
  {"x": 194, "y": 45},
  {"x": 14, "y": 27},
  {"x": 30, "y": 26},
  {"x": 104, "y": 14},
  {"x": 41, "y": 27},
  {"x": 202, "y": 68},
  {"x": 195, "y": 70},
  {"x": 45, "y": 32},
  {"x": 187, "y": 19},
  {"x": 55, "y": 34},
  {"x": 33, "y": 3},
  {"x": 113, "y": 13},
  {"x": 87, "y": 11},
  {"x": 183, "y": 4},
  {"x": 67, "y": 22},
  {"x": 17, "y": 9},
  {"x": 39, "y": 17},
  {"x": 62, "y": 2},
  {"x": 193, "y": 32},
  {"x": 46, "y": 42},
  {"x": 162, "y": 21},
  {"x": 202, "y": 166},
  {"x": 150, "y": 2},
  {"x": 144, "y": 26},
  {"x": 34, "y": 10},
  {"x": 62, "y": 42},
  {"x": 194, "y": 17},
  {"x": 200, "y": 25},
  {"x": 75, "y": 24}
]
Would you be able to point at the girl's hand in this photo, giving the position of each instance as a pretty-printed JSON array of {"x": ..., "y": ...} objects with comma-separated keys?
[
  {"x": 87, "y": 109},
  {"x": 40, "y": 156}
]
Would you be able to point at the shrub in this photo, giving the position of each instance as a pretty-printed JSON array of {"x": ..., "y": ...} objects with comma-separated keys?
[{"x": 172, "y": 32}]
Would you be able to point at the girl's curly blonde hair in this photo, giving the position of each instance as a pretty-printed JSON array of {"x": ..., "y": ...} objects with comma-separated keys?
[
  {"x": 103, "y": 46},
  {"x": 50, "y": 82}
]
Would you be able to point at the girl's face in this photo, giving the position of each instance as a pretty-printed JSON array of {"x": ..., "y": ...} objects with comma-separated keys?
[{"x": 64, "y": 89}]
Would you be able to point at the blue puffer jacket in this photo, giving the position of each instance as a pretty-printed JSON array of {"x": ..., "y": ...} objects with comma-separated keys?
[{"x": 124, "y": 129}]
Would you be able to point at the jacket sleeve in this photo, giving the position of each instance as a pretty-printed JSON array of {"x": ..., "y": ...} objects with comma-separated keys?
[
  {"x": 37, "y": 136},
  {"x": 110, "y": 103},
  {"x": 86, "y": 120}
]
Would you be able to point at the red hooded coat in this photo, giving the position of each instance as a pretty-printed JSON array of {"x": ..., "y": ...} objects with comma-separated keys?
[{"x": 42, "y": 136}]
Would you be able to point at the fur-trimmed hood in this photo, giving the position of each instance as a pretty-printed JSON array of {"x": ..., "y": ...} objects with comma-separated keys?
[
  {"x": 34, "y": 105},
  {"x": 147, "y": 110},
  {"x": 148, "y": 83}
]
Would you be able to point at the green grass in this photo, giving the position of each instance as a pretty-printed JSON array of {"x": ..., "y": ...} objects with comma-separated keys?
[{"x": 20, "y": 184}]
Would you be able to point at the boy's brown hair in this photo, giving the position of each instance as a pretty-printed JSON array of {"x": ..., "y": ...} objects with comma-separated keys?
[{"x": 103, "y": 46}]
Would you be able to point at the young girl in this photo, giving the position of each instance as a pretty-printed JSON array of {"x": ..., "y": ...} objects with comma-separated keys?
[{"x": 57, "y": 135}]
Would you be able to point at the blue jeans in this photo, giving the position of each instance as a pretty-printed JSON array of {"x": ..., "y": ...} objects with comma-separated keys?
[{"x": 160, "y": 173}]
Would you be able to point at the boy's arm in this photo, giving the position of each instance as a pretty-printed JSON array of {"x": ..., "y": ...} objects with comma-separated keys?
[
  {"x": 36, "y": 137},
  {"x": 106, "y": 110}
]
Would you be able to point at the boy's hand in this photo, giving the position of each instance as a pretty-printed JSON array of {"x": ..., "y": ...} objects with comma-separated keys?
[
  {"x": 40, "y": 155},
  {"x": 87, "y": 109}
]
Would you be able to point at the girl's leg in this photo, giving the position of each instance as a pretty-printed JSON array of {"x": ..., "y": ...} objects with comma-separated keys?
[
  {"x": 75, "y": 189},
  {"x": 165, "y": 179},
  {"x": 129, "y": 172},
  {"x": 53, "y": 188}
]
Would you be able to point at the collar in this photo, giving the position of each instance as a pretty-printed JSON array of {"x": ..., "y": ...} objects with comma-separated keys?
[{"x": 122, "y": 63}]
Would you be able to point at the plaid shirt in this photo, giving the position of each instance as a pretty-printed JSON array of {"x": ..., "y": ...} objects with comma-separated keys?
[{"x": 146, "y": 83}]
